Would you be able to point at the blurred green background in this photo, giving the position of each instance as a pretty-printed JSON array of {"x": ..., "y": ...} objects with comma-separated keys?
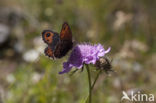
[{"x": 28, "y": 76}]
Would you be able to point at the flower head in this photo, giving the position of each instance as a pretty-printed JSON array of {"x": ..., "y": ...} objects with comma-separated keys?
[{"x": 83, "y": 54}]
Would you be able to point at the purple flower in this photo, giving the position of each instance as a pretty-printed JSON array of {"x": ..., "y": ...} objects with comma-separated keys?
[{"x": 83, "y": 54}]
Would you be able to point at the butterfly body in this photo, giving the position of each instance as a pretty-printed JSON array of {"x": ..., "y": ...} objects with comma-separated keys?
[{"x": 58, "y": 45}]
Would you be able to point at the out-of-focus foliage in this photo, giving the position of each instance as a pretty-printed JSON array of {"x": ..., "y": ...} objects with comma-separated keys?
[{"x": 27, "y": 76}]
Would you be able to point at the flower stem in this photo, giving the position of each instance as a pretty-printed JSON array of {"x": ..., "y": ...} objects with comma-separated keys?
[
  {"x": 97, "y": 76},
  {"x": 90, "y": 86}
]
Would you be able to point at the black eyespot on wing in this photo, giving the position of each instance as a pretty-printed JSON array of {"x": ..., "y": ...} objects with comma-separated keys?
[{"x": 48, "y": 34}]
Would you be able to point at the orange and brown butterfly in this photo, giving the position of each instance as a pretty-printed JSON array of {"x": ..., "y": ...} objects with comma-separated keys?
[{"x": 58, "y": 45}]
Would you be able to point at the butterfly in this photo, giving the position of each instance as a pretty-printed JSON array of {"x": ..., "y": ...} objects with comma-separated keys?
[{"x": 58, "y": 45}]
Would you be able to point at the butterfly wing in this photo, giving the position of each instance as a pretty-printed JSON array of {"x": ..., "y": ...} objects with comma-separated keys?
[
  {"x": 49, "y": 52},
  {"x": 66, "y": 33},
  {"x": 47, "y": 36},
  {"x": 62, "y": 48},
  {"x": 65, "y": 43},
  {"x": 51, "y": 38}
]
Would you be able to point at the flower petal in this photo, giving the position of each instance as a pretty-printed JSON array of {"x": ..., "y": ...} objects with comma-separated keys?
[
  {"x": 66, "y": 68},
  {"x": 108, "y": 50}
]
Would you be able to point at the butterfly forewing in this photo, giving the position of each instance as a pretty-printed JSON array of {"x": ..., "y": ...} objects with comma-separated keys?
[
  {"x": 47, "y": 36},
  {"x": 66, "y": 33}
]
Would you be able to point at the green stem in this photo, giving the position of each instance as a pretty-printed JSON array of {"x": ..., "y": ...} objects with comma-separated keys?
[
  {"x": 90, "y": 86},
  {"x": 97, "y": 76}
]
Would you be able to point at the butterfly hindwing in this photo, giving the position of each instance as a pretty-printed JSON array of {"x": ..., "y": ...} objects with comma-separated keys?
[{"x": 49, "y": 52}]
